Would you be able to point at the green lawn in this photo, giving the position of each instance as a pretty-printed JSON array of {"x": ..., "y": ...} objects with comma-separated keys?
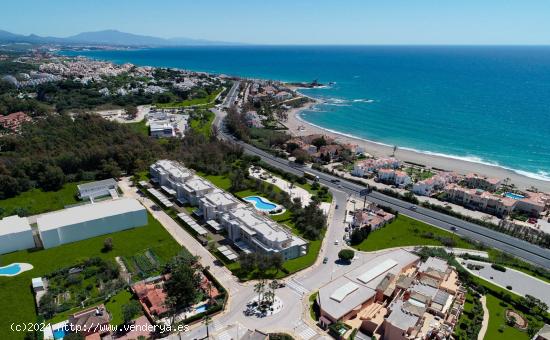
[
  {"x": 37, "y": 201},
  {"x": 203, "y": 126},
  {"x": 140, "y": 127},
  {"x": 497, "y": 319},
  {"x": 221, "y": 181},
  {"x": 405, "y": 231},
  {"x": 114, "y": 306},
  {"x": 16, "y": 291},
  {"x": 191, "y": 102}
]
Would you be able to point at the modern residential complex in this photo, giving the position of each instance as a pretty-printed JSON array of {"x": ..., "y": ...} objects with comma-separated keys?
[
  {"x": 246, "y": 227},
  {"x": 251, "y": 231},
  {"x": 15, "y": 234},
  {"x": 90, "y": 220},
  {"x": 395, "y": 296}
]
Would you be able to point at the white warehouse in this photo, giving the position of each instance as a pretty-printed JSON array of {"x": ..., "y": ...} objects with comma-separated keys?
[
  {"x": 90, "y": 220},
  {"x": 15, "y": 234}
]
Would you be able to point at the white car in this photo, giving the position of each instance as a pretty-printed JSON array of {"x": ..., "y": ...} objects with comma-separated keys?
[{"x": 336, "y": 242}]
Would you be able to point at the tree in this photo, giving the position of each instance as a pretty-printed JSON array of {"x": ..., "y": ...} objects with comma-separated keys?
[
  {"x": 52, "y": 178},
  {"x": 247, "y": 262},
  {"x": 346, "y": 255},
  {"x": 131, "y": 111},
  {"x": 274, "y": 284},
  {"x": 318, "y": 142},
  {"x": 277, "y": 261},
  {"x": 110, "y": 169},
  {"x": 130, "y": 310},
  {"x": 259, "y": 288},
  {"x": 183, "y": 284},
  {"x": 107, "y": 245}
]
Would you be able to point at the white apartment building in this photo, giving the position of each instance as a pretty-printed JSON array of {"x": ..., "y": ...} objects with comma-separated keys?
[
  {"x": 96, "y": 189},
  {"x": 248, "y": 229},
  {"x": 216, "y": 203}
]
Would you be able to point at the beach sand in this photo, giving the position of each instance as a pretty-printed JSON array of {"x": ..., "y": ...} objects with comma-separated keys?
[{"x": 434, "y": 161}]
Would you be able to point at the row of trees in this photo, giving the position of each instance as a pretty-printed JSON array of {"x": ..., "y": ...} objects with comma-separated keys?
[{"x": 60, "y": 148}]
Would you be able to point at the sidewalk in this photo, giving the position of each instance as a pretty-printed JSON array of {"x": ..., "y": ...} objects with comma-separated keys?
[{"x": 485, "y": 321}]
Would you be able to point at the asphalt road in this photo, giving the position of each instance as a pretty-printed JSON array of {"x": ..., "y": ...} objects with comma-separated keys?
[{"x": 508, "y": 244}]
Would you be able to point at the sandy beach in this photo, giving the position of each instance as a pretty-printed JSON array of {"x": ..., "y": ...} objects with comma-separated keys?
[{"x": 440, "y": 162}]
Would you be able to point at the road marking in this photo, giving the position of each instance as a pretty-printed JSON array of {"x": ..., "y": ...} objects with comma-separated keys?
[
  {"x": 297, "y": 287},
  {"x": 304, "y": 331}
]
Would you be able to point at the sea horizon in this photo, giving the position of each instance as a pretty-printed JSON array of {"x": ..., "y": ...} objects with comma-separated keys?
[{"x": 464, "y": 102}]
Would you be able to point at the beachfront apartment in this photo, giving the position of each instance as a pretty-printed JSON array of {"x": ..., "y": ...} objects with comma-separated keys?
[
  {"x": 394, "y": 296},
  {"x": 391, "y": 176},
  {"x": 252, "y": 232},
  {"x": 532, "y": 204},
  {"x": 369, "y": 166},
  {"x": 435, "y": 183},
  {"x": 475, "y": 181}
]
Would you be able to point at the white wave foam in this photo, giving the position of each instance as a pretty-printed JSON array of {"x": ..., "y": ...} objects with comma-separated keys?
[
  {"x": 363, "y": 101},
  {"x": 539, "y": 175}
]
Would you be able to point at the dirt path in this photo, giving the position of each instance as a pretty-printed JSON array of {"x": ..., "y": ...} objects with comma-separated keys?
[{"x": 485, "y": 322}]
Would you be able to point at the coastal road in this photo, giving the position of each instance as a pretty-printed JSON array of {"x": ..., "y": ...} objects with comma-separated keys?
[{"x": 508, "y": 244}]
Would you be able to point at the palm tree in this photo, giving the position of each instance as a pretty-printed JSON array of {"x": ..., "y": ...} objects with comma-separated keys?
[
  {"x": 259, "y": 288},
  {"x": 274, "y": 284},
  {"x": 207, "y": 320}
]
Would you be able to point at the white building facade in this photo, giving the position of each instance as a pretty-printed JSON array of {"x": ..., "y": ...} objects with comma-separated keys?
[
  {"x": 90, "y": 220},
  {"x": 15, "y": 234}
]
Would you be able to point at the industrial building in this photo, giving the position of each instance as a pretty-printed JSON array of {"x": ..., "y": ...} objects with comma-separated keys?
[
  {"x": 90, "y": 220},
  {"x": 15, "y": 234},
  {"x": 97, "y": 189}
]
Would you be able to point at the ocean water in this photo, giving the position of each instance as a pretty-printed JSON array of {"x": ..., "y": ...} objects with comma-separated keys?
[{"x": 483, "y": 104}]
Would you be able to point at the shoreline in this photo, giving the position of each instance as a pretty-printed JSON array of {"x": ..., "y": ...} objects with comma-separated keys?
[{"x": 461, "y": 166}]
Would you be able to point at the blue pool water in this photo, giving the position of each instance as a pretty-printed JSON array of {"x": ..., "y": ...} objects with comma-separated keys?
[
  {"x": 201, "y": 308},
  {"x": 514, "y": 196},
  {"x": 260, "y": 203},
  {"x": 12, "y": 269},
  {"x": 59, "y": 333}
]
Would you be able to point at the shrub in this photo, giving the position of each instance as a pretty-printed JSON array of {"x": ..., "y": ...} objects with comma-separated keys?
[
  {"x": 346, "y": 255},
  {"x": 498, "y": 267}
]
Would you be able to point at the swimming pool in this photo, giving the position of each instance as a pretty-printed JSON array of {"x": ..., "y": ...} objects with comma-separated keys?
[
  {"x": 11, "y": 270},
  {"x": 59, "y": 333},
  {"x": 261, "y": 203},
  {"x": 201, "y": 308},
  {"x": 514, "y": 195}
]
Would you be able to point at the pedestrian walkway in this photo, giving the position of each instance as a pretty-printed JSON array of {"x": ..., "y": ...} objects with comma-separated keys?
[
  {"x": 304, "y": 331},
  {"x": 485, "y": 322},
  {"x": 297, "y": 287}
]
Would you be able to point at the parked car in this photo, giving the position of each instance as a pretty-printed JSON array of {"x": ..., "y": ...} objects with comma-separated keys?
[
  {"x": 336, "y": 206},
  {"x": 325, "y": 260},
  {"x": 412, "y": 207},
  {"x": 336, "y": 242}
]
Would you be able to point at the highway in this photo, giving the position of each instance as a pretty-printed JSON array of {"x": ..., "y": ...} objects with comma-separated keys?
[{"x": 508, "y": 244}]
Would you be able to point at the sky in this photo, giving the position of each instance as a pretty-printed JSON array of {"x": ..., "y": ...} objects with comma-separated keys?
[{"x": 447, "y": 22}]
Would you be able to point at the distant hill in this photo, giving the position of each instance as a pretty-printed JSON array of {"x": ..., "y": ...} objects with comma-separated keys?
[{"x": 107, "y": 37}]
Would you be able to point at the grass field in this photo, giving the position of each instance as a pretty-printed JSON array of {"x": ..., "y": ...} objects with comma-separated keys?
[
  {"x": 191, "y": 102},
  {"x": 203, "y": 126},
  {"x": 37, "y": 201},
  {"x": 497, "y": 320},
  {"x": 16, "y": 291},
  {"x": 139, "y": 127},
  {"x": 405, "y": 231}
]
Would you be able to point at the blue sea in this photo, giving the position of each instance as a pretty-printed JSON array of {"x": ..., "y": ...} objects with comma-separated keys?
[{"x": 484, "y": 104}]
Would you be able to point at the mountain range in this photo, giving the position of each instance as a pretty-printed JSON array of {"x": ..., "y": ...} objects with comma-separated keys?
[{"x": 107, "y": 37}]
